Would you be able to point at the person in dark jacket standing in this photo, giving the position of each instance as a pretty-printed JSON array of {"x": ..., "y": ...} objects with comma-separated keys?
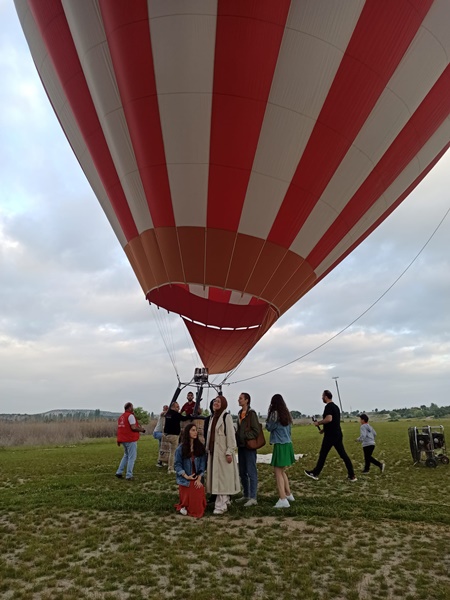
[
  {"x": 247, "y": 429},
  {"x": 172, "y": 430},
  {"x": 332, "y": 436},
  {"x": 128, "y": 430}
]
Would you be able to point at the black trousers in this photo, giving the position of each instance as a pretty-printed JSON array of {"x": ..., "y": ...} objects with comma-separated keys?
[
  {"x": 327, "y": 444},
  {"x": 368, "y": 458}
]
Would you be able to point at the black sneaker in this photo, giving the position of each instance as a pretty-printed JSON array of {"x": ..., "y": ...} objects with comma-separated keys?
[
  {"x": 119, "y": 475},
  {"x": 159, "y": 464},
  {"x": 311, "y": 474},
  {"x": 352, "y": 479},
  {"x": 364, "y": 472}
]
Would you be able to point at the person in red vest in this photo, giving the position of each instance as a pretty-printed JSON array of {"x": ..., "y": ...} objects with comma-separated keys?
[{"x": 128, "y": 430}]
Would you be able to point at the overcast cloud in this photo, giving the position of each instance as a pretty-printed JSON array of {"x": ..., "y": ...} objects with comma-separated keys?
[{"x": 76, "y": 331}]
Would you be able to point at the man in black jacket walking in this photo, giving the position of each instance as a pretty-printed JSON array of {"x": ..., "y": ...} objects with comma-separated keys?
[{"x": 332, "y": 436}]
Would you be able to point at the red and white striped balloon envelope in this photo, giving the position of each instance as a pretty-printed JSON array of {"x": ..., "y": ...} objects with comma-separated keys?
[{"x": 242, "y": 148}]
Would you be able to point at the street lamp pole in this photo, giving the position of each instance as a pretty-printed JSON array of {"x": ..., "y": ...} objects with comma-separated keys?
[{"x": 337, "y": 388}]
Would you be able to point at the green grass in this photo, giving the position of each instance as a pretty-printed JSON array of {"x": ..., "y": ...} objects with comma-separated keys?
[{"x": 70, "y": 529}]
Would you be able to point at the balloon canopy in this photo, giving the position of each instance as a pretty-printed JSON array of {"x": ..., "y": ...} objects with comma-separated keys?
[{"x": 242, "y": 148}]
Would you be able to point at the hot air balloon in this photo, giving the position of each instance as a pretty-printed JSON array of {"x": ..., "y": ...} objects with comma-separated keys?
[{"x": 241, "y": 149}]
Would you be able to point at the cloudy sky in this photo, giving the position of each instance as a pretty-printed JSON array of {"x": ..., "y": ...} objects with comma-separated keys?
[{"x": 76, "y": 331}]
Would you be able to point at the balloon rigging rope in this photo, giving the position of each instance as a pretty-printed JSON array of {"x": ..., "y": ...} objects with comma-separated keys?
[
  {"x": 354, "y": 320},
  {"x": 232, "y": 372},
  {"x": 194, "y": 354},
  {"x": 164, "y": 333}
]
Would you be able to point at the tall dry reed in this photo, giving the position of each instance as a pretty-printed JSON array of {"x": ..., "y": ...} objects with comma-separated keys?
[{"x": 41, "y": 434}]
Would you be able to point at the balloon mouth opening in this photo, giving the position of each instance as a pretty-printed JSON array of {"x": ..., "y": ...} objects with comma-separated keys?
[
  {"x": 222, "y": 330},
  {"x": 209, "y": 326},
  {"x": 212, "y": 308}
]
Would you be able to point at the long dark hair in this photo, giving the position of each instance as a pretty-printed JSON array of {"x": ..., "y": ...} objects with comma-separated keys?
[
  {"x": 199, "y": 448},
  {"x": 278, "y": 405}
]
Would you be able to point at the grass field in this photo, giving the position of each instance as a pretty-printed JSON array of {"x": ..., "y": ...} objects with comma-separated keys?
[{"x": 70, "y": 530}]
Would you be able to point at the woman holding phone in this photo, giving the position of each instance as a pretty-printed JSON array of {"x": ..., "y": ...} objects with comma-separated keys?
[{"x": 279, "y": 423}]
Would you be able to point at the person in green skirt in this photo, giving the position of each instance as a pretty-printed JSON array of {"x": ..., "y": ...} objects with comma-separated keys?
[{"x": 279, "y": 423}]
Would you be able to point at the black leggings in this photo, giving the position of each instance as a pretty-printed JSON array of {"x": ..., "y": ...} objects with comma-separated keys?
[
  {"x": 368, "y": 458},
  {"x": 327, "y": 444}
]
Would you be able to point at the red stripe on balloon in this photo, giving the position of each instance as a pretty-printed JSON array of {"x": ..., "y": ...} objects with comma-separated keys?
[
  {"x": 219, "y": 295},
  {"x": 248, "y": 39},
  {"x": 128, "y": 32},
  {"x": 52, "y": 23},
  {"x": 381, "y": 37},
  {"x": 430, "y": 115},
  {"x": 385, "y": 215}
]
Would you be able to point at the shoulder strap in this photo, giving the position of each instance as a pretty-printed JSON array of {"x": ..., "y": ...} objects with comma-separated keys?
[{"x": 224, "y": 422}]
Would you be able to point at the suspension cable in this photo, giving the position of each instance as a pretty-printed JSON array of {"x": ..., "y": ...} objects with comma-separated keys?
[
  {"x": 354, "y": 320},
  {"x": 163, "y": 325}
]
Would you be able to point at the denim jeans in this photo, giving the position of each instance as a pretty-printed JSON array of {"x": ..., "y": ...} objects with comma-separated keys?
[
  {"x": 248, "y": 472},
  {"x": 158, "y": 436},
  {"x": 128, "y": 459}
]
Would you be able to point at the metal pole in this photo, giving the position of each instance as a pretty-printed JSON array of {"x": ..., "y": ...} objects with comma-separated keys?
[
  {"x": 198, "y": 399},
  {"x": 175, "y": 396},
  {"x": 339, "y": 395}
]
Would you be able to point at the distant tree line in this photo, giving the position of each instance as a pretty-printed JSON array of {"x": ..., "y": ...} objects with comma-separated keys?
[
  {"x": 438, "y": 412},
  {"x": 414, "y": 412}
]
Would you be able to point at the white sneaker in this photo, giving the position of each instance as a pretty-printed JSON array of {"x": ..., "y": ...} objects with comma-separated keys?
[
  {"x": 242, "y": 500},
  {"x": 383, "y": 466},
  {"x": 282, "y": 503},
  {"x": 171, "y": 471},
  {"x": 290, "y": 498},
  {"x": 219, "y": 511},
  {"x": 251, "y": 502},
  {"x": 183, "y": 511}
]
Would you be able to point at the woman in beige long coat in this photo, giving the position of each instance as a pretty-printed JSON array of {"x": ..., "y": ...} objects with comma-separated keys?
[{"x": 222, "y": 476}]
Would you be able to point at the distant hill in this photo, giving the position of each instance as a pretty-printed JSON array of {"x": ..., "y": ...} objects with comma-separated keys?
[{"x": 63, "y": 414}]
